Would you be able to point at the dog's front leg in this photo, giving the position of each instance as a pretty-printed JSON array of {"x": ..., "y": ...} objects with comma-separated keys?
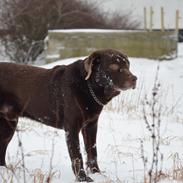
[
  {"x": 72, "y": 139},
  {"x": 89, "y": 134}
]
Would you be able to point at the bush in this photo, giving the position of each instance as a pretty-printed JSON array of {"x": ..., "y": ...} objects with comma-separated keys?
[{"x": 26, "y": 23}]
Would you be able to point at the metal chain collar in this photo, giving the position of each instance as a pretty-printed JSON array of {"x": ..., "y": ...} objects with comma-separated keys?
[{"x": 93, "y": 95}]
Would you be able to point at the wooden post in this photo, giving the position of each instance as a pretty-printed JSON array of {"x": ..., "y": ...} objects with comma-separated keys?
[
  {"x": 151, "y": 18},
  {"x": 162, "y": 19},
  {"x": 177, "y": 17},
  {"x": 145, "y": 18}
]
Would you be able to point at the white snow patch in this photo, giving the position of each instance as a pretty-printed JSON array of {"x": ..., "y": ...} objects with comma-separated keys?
[{"x": 91, "y": 30}]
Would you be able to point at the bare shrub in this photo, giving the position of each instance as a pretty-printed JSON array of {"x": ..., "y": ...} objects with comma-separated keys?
[
  {"x": 26, "y": 22},
  {"x": 125, "y": 21},
  {"x": 152, "y": 117}
]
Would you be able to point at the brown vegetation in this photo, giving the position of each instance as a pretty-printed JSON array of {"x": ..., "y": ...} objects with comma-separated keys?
[{"x": 27, "y": 23}]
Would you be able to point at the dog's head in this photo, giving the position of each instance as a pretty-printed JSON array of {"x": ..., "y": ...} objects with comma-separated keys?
[{"x": 110, "y": 68}]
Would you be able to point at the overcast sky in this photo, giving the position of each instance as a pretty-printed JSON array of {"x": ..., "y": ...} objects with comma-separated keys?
[{"x": 137, "y": 6}]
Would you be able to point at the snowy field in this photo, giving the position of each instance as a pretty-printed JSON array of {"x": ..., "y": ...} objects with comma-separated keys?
[{"x": 121, "y": 130}]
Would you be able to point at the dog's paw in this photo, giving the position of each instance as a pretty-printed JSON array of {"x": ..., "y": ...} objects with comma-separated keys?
[
  {"x": 95, "y": 170},
  {"x": 93, "y": 167},
  {"x": 82, "y": 177}
]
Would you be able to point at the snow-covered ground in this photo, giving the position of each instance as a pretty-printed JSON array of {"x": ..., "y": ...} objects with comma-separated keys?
[{"x": 121, "y": 128}]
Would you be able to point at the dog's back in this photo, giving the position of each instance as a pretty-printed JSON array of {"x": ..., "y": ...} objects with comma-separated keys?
[
  {"x": 14, "y": 76},
  {"x": 28, "y": 89}
]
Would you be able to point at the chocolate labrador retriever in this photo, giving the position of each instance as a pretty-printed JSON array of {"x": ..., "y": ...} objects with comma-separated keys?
[{"x": 65, "y": 97}]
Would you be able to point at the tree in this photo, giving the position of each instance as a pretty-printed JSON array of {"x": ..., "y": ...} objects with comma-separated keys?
[{"x": 26, "y": 23}]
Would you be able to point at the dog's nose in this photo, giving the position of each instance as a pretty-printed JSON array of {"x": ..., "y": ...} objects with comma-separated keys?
[{"x": 134, "y": 78}]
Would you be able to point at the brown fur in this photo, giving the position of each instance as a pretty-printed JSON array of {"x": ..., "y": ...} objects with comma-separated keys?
[{"x": 61, "y": 98}]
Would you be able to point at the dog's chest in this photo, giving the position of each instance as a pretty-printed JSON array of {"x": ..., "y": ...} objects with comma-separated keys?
[{"x": 89, "y": 112}]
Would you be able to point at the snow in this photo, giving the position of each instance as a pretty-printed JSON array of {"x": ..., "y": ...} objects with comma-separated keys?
[
  {"x": 92, "y": 30},
  {"x": 121, "y": 127},
  {"x": 56, "y": 56}
]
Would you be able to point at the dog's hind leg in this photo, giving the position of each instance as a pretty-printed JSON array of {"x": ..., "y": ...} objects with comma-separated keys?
[{"x": 8, "y": 123}]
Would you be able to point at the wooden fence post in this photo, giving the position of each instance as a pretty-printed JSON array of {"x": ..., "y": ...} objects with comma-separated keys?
[
  {"x": 145, "y": 19},
  {"x": 177, "y": 17},
  {"x": 151, "y": 18},
  {"x": 162, "y": 19}
]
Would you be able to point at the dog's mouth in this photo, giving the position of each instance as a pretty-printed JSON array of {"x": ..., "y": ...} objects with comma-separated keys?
[{"x": 126, "y": 86}]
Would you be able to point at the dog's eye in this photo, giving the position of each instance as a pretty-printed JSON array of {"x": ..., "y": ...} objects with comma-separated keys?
[
  {"x": 114, "y": 67},
  {"x": 126, "y": 61}
]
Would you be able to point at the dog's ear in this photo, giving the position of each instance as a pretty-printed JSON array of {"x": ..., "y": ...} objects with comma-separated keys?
[{"x": 94, "y": 58}]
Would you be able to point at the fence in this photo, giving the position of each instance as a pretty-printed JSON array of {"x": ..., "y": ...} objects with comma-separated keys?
[
  {"x": 149, "y": 19},
  {"x": 146, "y": 44}
]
